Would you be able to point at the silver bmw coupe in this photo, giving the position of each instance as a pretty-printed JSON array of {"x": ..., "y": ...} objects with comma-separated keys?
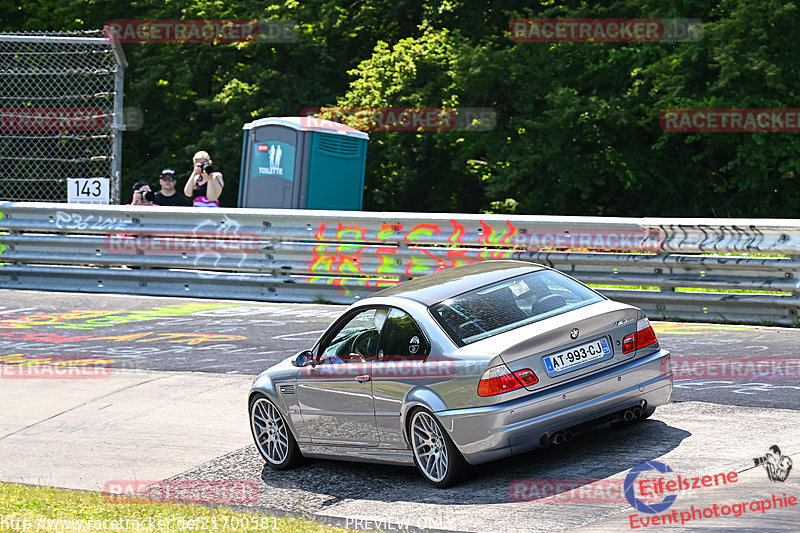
[{"x": 461, "y": 367}]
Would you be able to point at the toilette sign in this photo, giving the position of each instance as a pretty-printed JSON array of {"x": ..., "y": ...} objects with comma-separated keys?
[{"x": 273, "y": 158}]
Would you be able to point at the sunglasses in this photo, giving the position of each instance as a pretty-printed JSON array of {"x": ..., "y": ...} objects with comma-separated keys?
[{"x": 169, "y": 178}]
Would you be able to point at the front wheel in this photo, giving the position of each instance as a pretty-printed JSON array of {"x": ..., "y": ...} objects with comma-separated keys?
[
  {"x": 435, "y": 455},
  {"x": 273, "y": 437}
]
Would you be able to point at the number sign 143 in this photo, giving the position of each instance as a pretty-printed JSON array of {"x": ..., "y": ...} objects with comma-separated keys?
[{"x": 88, "y": 190}]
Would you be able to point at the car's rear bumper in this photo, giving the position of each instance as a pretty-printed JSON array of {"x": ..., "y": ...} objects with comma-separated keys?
[{"x": 484, "y": 434}]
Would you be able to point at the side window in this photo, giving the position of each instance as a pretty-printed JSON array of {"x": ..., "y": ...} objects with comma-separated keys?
[
  {"x": 357, "y": 340},
  {"x": 402, "y": 337}
]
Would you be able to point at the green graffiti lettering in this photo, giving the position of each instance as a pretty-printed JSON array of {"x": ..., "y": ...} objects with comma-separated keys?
[{"x": 151, "y": 314}]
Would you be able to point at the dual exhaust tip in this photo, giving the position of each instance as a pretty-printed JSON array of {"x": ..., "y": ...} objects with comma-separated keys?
[
  {"x": 559, "y": 437},
  {"x": 632, "y": 414},
  {"x": 562, "y": 437}
]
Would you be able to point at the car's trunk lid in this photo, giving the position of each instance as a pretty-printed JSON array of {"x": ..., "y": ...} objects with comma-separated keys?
[{"x": 567, "y": 346}]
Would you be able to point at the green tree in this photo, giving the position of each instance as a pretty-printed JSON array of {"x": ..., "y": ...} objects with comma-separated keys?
[{"x": 577, "y": 128}]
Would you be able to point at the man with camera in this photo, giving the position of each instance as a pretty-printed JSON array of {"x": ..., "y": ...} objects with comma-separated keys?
[
  {"x": 142, "y": 195},
  {"x": 204, "y": 186},
  {"x": 168, "y": 195},
  {"x": 775, "y": 463}
]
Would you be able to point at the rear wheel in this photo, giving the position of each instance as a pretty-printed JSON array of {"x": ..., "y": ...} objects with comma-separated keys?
[
  {"x": 273, "y": 437},
  {"x": 435, "y": 455}
]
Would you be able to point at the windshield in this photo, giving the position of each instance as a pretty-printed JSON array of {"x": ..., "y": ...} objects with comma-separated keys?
[{"x": 493, "y": 309}]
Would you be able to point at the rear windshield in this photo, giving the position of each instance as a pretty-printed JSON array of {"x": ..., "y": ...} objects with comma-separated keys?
[{"x": 509, "y": 304}]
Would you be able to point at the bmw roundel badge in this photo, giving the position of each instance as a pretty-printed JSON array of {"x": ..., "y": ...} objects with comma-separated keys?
[{"x": 574, "y": 333}]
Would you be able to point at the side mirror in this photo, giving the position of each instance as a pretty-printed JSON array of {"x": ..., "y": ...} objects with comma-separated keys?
[{"x": 302, "y": 359}]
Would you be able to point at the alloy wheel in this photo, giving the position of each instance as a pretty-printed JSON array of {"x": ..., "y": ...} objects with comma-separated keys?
[
  {"x": 270, "y": 431},
  {"x": 429, "y": 445}
]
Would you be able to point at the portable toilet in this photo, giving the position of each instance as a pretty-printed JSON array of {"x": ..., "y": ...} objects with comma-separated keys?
[{"x": 302, "y": 163}]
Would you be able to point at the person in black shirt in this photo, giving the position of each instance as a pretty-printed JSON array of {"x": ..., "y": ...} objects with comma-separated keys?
[
  {"x": 168, "y": 195},
  {"x": 142, "y": 195}
]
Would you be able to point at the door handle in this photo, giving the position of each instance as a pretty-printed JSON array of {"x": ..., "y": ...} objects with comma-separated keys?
[{"x": 362, "y": 378}]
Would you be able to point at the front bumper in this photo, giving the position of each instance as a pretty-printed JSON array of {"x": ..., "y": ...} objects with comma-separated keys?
[{"x": 484, "y": 434}]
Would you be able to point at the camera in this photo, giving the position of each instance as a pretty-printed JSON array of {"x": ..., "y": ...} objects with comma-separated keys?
[
  {"x": 148, "y": 196},
  {"x": 207, "y": 168},
  {"x": 760, "y": 460}
]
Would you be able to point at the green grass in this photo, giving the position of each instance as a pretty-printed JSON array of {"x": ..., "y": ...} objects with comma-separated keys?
[{"x": 44, "y": 506}]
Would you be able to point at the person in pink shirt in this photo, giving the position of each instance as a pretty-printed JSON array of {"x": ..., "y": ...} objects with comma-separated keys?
[{"x": 204, "y": 186}]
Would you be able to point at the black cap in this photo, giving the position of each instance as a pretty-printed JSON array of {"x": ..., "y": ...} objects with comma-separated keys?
[{"x": 139, "y": 184}]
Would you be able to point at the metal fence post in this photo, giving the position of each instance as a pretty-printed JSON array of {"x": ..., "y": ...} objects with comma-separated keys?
[{"x": 117, "y": 127}]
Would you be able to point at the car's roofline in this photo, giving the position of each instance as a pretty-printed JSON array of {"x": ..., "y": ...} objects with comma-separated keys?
[{"x": 433, "y": 288}]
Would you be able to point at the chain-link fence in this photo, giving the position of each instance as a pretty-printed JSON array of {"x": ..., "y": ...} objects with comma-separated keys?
[{"x": 60, "y": 113}]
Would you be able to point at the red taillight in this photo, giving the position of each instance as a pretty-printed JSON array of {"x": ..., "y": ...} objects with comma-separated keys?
[
  {"x": 500, "y": 379},
  {"x": 644, "y": 336},
  {"x": 629, "y": 343},
  {"x": 527, "y": 377}
]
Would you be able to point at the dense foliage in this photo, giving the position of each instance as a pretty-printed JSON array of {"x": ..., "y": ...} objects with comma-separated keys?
[{"x": 577, "y": 127}]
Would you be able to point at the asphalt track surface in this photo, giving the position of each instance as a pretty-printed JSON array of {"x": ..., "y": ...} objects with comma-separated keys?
[
  {"x": 193, "y": 335},
  {"x": 714, "y": 424}
]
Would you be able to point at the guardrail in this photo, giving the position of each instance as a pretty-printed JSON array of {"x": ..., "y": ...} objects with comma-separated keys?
[{"x": 340, "y": 256}]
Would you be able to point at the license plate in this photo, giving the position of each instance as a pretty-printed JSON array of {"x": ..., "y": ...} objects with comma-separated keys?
[{"x": 577, "y": 356}]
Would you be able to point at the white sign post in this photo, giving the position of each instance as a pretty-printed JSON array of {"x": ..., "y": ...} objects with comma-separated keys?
[{"x": 88, "y": 190}]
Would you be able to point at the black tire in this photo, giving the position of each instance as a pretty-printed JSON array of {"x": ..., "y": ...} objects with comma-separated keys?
[
  {"x": 272, "y": 434},
  {"x": 435, "y": 454}
]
